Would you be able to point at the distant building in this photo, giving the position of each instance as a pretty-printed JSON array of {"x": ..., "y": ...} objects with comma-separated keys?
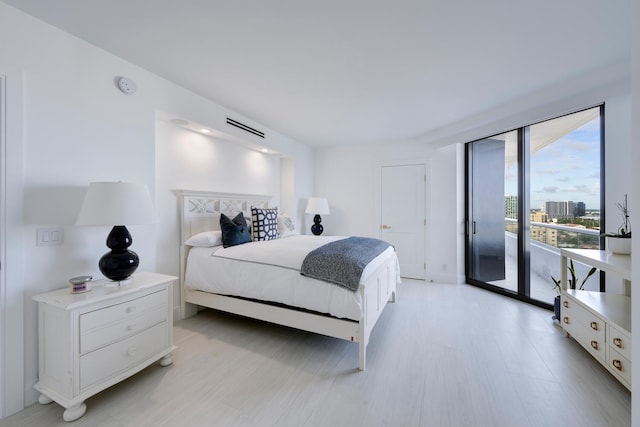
[
  {"x": 559, "y": 210},
  {"x": 511, "y": 207},
  {"x": 544, "y": 235},
  {"x": 579, "y": 210},
  {"x": 538, "y": 216}
]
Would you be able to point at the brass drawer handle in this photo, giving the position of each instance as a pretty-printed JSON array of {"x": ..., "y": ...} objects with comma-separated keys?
[
  {"x": 594, "y": 344},
  {"x": 594, "y": 326},
  {"x": 617, "y": 342},
  {"x": 617, "y": 364},
  {"x": 565, "y": 304},
  {"x": 565, "y": 319}
]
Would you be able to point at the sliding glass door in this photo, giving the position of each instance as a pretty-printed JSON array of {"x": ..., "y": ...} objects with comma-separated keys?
[
  {"x": 491, "y": 159},
  {"x": 531, "y": 192}
]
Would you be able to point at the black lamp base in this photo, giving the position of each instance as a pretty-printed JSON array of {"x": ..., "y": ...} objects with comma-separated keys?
[
  {"x": 119, "y": 263},
  {"x": 317, "y": 228}
]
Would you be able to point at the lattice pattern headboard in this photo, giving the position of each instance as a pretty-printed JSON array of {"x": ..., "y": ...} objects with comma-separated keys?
[{"x": 200, "y": 211}]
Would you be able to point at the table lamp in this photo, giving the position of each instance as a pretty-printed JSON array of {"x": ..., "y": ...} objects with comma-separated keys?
[
  {"x": 317, "y": 206},
  {"x": 117, "y": 204}
]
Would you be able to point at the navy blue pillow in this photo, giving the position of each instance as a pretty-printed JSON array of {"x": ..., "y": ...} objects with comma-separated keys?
[{"x": 234, "y": 231}]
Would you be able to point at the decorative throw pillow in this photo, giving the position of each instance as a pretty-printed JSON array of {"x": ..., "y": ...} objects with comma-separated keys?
[
  {"x": 205, "y": 239},
  {"x": 234, "y": 231},
  {"x": 285, "y": 226},
  {"x": 264, "y": 224}
]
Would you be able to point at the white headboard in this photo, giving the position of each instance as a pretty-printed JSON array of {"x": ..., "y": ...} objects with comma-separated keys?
[{"x": 200, "y": 211}]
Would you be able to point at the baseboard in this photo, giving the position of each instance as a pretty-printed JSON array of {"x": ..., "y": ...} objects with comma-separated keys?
[{"x": 444, "y": 278}]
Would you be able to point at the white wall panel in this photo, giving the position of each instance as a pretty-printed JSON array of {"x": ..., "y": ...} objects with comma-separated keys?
[{"x": 77, "y": 128}]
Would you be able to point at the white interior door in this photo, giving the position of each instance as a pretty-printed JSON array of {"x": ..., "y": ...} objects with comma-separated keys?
[{"x": 403, "y": 215}]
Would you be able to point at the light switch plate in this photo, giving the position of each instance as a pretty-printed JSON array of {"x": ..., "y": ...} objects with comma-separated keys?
[{"x": 49, "y": 236}]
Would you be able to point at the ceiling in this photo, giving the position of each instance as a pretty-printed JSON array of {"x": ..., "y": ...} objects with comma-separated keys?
[{"x": 354, "y": 71}]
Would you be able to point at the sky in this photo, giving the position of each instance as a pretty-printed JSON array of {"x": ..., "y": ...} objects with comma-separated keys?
[{"x": 566, "y": 169}]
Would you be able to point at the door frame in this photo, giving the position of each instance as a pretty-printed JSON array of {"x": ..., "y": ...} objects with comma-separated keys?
[
  {"x": 427, "y": 200},
  {"x": 12, "y": 381}
]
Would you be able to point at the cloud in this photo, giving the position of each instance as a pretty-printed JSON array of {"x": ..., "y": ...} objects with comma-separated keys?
[
  {"x": 564, "y": 179},
  {"x": 548, "y": 190},
  {"x": 547, "y": 171},
  {"x": 592, "y": 190}
]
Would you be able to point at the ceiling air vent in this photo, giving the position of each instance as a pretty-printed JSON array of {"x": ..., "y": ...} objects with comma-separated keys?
[{"x": 244, "y": 127}]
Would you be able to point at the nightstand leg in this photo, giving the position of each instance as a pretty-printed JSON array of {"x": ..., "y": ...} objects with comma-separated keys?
[
  {"x": 167, "y": 360},
  {"x": 74, "y": 412},
  {"x": 44, "y": 400}
]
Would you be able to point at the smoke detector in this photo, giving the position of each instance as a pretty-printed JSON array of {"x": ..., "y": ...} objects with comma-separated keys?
[{"x": 127, "y": 86}]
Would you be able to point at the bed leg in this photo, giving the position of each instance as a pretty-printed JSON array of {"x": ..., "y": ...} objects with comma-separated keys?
[{"x": 363, "y": 355}]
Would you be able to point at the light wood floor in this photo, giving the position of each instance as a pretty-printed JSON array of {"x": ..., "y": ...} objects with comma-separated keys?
[{"x": 443, "y": 355}]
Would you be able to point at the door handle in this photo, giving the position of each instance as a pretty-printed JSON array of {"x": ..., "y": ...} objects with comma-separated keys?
[{"x": 385, "y": 227}]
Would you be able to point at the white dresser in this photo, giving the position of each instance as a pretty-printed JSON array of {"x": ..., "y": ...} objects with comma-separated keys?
[
  {"x": 93, "y": 340},
  {"x": 599, "y": 321}
]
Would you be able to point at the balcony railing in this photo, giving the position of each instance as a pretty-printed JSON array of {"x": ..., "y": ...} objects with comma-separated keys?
[
  {"x": 557, "y": 235},
  {"x": 544, "y": 260}
]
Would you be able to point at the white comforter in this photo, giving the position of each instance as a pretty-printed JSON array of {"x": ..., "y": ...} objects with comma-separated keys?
[{"x": 270, "y": 271}]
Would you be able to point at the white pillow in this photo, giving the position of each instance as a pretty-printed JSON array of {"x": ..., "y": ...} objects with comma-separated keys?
[
  {"x": 205, "y": 239},
  {"x": 285, "y": 226}
]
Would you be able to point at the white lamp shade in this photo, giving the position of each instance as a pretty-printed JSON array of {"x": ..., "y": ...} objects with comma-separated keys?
[
  {"x": 116, "y": 203},
  {"x": 317, "y": 206}
]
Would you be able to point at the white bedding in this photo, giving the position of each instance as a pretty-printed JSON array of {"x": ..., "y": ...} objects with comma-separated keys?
[{"x": 270, "y": 271}]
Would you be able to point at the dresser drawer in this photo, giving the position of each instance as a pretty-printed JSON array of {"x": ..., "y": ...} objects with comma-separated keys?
[
  {"x": 620, "y": 365},
  {"x": 111, "y": 360},
  {"x": 100, "y": 327},
  {"x": 573, "y": 315},
  {"x": 620, "y": 341},
  {"x": 110, "y": 332},
  {"x": 591, "y": 342}
]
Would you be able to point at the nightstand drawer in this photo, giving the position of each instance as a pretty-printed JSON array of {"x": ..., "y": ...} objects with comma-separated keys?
[
  {"x": 120, "y": 312},
  {"x": 122, "y": 355},
  {"x": 110, "y": 332},
  {"x": 620, "y": 341},
  {"x": 620, "y": 365}
]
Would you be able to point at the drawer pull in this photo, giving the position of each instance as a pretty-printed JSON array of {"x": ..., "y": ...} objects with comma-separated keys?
[
  {"x": 617, "y": 342},
  {"x": 131, "y": 309},
  {"x": 131, "y": 327},
  {"x": 594, "y": 326},
  {"x": 565, "y": 319},
  {"x": 132, "y": 351},
  {"x": 565, "y": 304},
  {"x": 617, "y": 364},
  {"x": 594, "y": 344}
]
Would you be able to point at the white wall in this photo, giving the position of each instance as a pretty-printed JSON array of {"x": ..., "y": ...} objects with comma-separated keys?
[{"x": 77, "y": 128}]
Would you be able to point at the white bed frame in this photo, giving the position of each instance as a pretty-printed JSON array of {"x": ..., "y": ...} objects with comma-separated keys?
[{"x": 201, "y": 212}]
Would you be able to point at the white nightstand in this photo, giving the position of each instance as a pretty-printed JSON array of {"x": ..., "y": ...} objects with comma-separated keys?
[{"x": 93, "y": 340}]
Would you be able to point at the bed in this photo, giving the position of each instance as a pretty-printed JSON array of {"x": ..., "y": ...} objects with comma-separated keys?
[{"x": 271, "y": 290}]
